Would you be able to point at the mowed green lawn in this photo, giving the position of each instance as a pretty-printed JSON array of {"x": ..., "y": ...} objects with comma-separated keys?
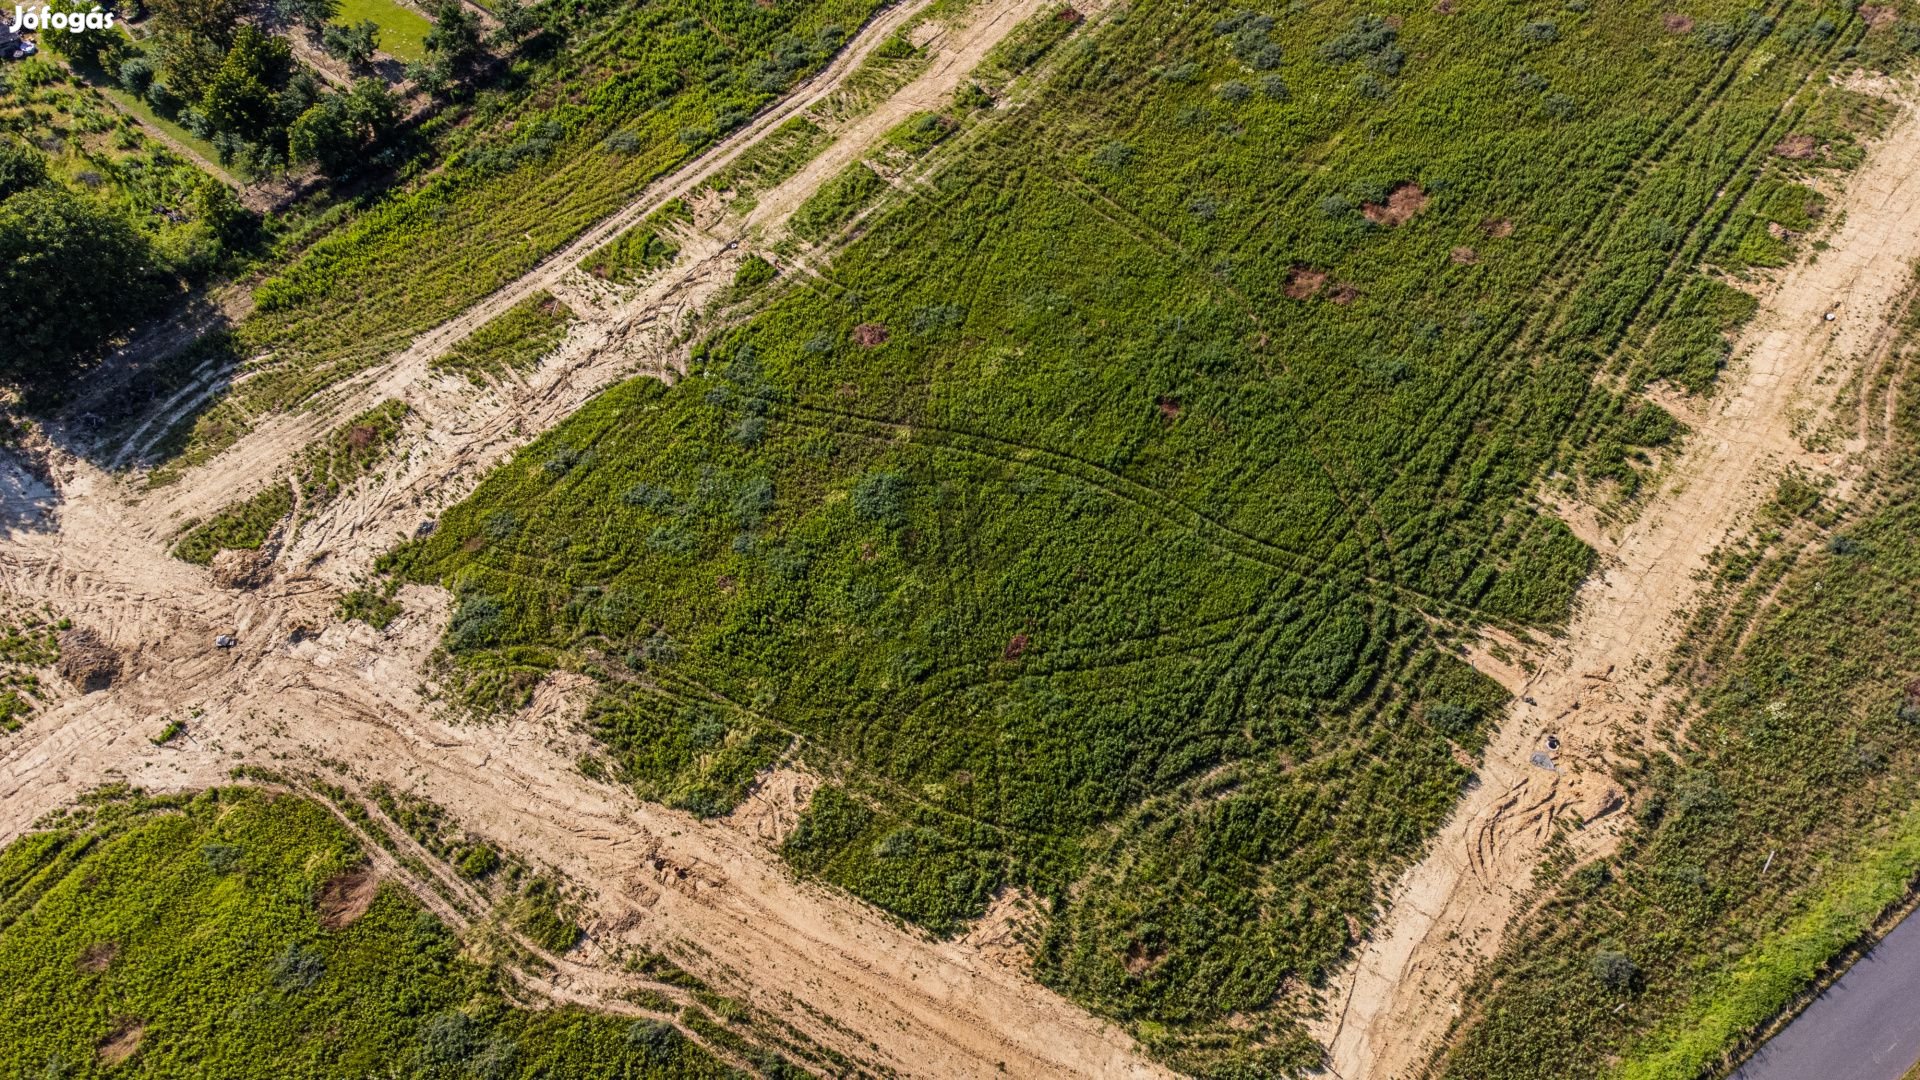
[{"x": 403, "y": 31}]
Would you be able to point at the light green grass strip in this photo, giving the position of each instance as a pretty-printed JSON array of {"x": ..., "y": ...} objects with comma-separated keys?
[
  {"x": 403, "y": 31},
  {"x": 1764, "y": 981}
]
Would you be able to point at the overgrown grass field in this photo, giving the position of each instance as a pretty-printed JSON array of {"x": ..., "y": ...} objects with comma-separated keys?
[
  {"x": 192, "y": 936},
  {"x": 1102, "y": 523}
]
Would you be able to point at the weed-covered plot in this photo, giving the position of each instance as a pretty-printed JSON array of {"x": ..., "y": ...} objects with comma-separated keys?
[
  {"x": 1102, "y": 524},
  {"x": 205, "y": 935},
  {"x": 517, "y": 339}
]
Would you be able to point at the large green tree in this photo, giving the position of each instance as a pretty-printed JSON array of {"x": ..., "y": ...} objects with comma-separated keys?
[
  {"x": 21, "y": 167},
  {"x": 242, "y": 96},
  {"x": 74, "y": 274}
]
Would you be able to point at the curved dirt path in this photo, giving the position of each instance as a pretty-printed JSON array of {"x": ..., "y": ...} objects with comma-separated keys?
[
  {"x": 350, "y": 702},
  {"x": 1391, "y": 1008}
]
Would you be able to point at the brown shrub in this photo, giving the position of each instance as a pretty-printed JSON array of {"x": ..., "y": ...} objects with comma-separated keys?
[
  {"x": 1015, "y": 647},
  {"x": 870, "y": 334},
  {"x": 1497, "y": 227},
  {"x": 1677, "y": 23},
  {"x": 1463, "y": 256},
  {"x": 1344, "y": 294}
]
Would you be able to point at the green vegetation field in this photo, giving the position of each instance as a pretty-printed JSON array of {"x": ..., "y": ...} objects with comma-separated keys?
[
  {"x": 1104, "y": 523},
  {"x": 403, "y": 31},
  {"x": 190, "y": 936}
]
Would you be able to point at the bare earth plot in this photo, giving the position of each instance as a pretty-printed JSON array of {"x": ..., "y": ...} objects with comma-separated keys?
[
  {"x": 1393, "y": 1004},
  {"x": 92, "y": 546}
]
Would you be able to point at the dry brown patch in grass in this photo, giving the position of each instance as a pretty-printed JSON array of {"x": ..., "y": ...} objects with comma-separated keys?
[
  {"x": 1444, "y": 7},
  {"x": 1141, "y": 956},
  {"x": 1677, "y": 23},
  {"x": 1403, "y": 202},
  {"x": 98, "y": 957},
  {"x": 1463, "y": 256},
  {"x": 1497, "y": 227},
  {"x": 1877, "y": 15},
  {"x": 1303, "y": 283},
  {"x": 1798, "y": 147},
  {"x": 1169, "y": 408},
  {"x": 1070, "y": 17},
  {"x": 870, "y": 334},
  {"x": 1344, "y": 294},
  {"x": 123, "y": 1043},
  {"x": 346, "y": 896},
  {"x": 1015, "y": 647}
]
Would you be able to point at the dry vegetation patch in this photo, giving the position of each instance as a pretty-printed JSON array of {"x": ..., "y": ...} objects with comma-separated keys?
[
  {"x": 1304, "y": 282},
  {"x": 98, "y": 957},
  {"x": 123, "y": 1043},
  {"x": 346, "y": 896}
]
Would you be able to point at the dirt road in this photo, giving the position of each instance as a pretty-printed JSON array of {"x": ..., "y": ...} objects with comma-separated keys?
[
  {"x": 350, "y": 701},
  {"x": 1393, "y": 1004}
]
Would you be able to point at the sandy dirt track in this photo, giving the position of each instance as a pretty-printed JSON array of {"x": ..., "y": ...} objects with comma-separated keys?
[
  {"x": 1392, "y": 1006},
  {"x": 94, "y": 547}
]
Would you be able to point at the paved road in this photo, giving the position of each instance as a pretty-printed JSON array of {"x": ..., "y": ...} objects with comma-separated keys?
[{"x": 1865, "y": 1027}]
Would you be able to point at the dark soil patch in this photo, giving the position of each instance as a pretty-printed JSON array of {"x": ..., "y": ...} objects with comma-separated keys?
[
  {"x": 1344, "y": 294},
  {"x": 1304, "y": 283},
  {"x": 1070, "y": 16},
  {"x": 1677, "y": 23},
  {"x": 1169, "y": 408},
  {"x": 123, "y": 1043},
  {"x": 1403, "y": 203},
  {"x": 98, "y": 957},
  {"x": 86, "y": 661},
  {"x": 346, "y": 896},
  {"x": 361, "y": 436},
  {"x": 1015, "y": 647},
  {"x": 1444, "y": 7},
  {"x": 870, "y": 334}
]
